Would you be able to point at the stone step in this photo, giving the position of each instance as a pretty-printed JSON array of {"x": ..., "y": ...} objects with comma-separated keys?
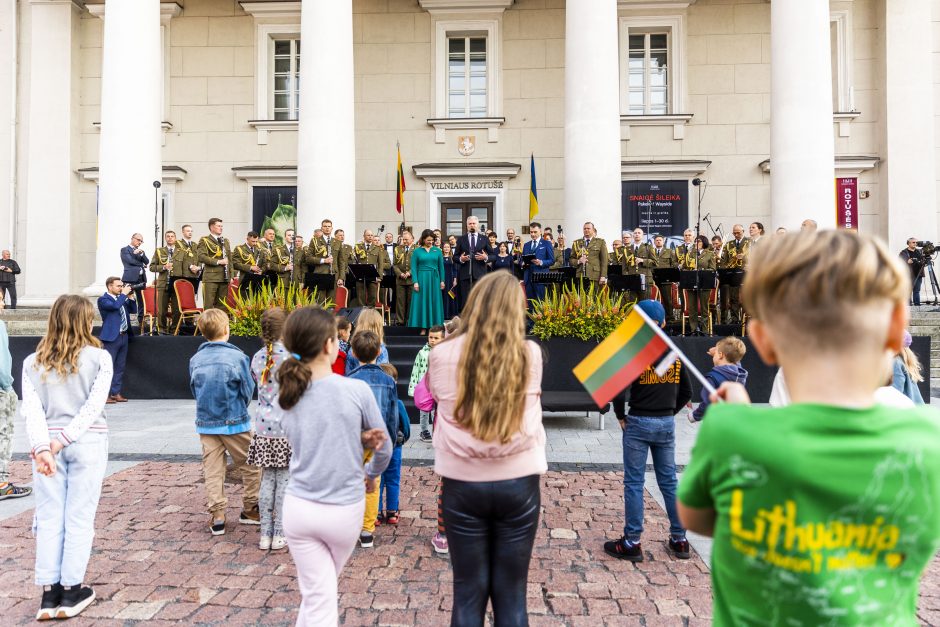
[{"x": 26, "y": 327}]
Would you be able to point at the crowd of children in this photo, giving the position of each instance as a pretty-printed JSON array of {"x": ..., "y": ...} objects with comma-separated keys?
[{"x": 831, "y": 483}]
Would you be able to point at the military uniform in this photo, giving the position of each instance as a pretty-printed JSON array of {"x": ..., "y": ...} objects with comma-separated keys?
[
  {"x": 731, "y": 296},
  {"x": 215, "y": 278},
  {"x": 404, "y": 288},
  {"x": 597, "y": 259},
  {"x": 314, "y": 255},
  {"x": 185, "y": 256},
  {"x": 243, "y": 258},
  {"x": 163, "y": 287},
  {"x": 279, "y": 259},
  {"x": 664, "y": 258},
  {"x": 376, "y": 256},
  {"x": 300, "y": 264},
  {"x": 697, "y": 300},
  {"x": 627, "y": 258}
]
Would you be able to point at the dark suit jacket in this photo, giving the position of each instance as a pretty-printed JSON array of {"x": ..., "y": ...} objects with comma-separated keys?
[
  {"x": 472, "y": 267},
  {"x": 110, "y": 310},
  {"x": 543, "y": 251},
  {"x": 134, "y": 265}
]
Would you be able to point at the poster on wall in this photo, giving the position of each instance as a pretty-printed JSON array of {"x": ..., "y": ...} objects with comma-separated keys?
[
  {"x": 656, "y": 206},
  {"x": 274, "y": 207},
  {"x": 847, "y": 203}
]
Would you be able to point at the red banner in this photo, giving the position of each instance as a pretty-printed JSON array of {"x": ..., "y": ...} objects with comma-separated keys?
[{"x": 847, "y": 204}]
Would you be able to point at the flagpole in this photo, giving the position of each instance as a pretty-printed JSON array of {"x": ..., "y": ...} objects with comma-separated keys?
[
  {"x": 399, "y": 173},
  {"x": 656, "y": 329}
]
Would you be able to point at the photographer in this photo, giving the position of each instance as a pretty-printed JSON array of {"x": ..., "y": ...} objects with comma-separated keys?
[
  {"x": 914, "y": 259},
  {"x": 135, "y": 263}
]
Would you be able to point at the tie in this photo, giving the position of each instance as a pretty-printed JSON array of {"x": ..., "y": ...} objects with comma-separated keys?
[
  {"x": 220, "y": 240},
  {"x": 123, "y": 320},
  {"x": 587, "y": 243},
  {"x": 473, "y": 241}
]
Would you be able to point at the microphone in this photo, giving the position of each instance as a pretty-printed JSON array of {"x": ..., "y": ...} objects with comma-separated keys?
[
  {"x": 382, "y": 229},
  {"x": 698, "y": 181},
  {"x": 560, "y": 230},
  {"x": 156, "y": 184}
]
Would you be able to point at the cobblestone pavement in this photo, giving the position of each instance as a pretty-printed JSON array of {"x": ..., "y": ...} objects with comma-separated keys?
[{"x": 155, "y": 561}]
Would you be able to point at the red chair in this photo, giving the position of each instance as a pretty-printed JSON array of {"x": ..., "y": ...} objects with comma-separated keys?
[
  {"x": 186, "y": 297},
  {"x": 676, "y": 302},
  {"x": 150, "y": 306},
  {"x": 654, "y": 293},
  {"x": 230, "y": 295},
  {"x": 342, "y": 297}
]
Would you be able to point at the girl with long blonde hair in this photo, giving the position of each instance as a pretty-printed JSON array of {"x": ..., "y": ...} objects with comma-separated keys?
[
  {"x": 65, "y": 387},
  {"x": 368, "y": 320},
  {"x": 907, "y": 371},
  {"x": 489, "y": 450}
]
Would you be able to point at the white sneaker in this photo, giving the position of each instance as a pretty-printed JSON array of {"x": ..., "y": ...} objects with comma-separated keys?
[
  {"x": 264, "y": 543},
  {"x": 278, "y": 543}
]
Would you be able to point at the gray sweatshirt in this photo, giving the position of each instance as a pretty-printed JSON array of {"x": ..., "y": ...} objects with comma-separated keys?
[{"x": 324, "y": 430}]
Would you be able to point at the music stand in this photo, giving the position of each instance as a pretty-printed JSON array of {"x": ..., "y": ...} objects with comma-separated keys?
[
  {"x": 694, "y": 280},
  {"x": 364, "y": 272},
  {"x": 614, "y": 269},
  {"x": 249, "y": 281},
  {"x": 627, "y": 283},
  {"x": 323, "y": 283},
  {"x": 730, "y": 277},
  {"x": 665, "y": 275},
  {"x": 388, "y": 282}
]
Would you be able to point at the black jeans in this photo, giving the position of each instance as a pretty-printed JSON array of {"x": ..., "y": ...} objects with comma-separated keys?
[
  {"x": 10, "y": 289},
  {"x": 490, "y": 528}
]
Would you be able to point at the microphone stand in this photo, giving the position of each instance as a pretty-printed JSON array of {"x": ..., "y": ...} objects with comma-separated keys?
[
  {"x": 156, "y": 213},
  {"x": 697, "y": 182}
]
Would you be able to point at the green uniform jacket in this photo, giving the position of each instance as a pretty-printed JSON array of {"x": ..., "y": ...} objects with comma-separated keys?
[
  {"x": 665, "y": 258},
  {"x": 402, "y": 265},
  {"x": 682, "y": 251},
  {"x": 208, "y": 252},
  {"x": 704, "y": 261},
  {"x": 184, "y": 256},
  {"x": 243, "y": 257},
  {"x": 300, "y": 265},
  {"x": 729, "y": 254},
  {"x": 375, "y": 255},
  {"x": 597, "y": 258},
  {"x": 641, "y": 261},
  {"x": 160, "y": 257}
]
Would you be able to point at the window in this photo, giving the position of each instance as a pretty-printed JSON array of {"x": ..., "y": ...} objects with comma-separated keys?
[
  {"x": 285, "y": 86},
  {"x": 454, "y": 216},
  {"x": 652, "y": 66},
  {"x": 648, "y": 73},
  {"x": 466, "y": 77},
  {"x": 841, "y": 44}
]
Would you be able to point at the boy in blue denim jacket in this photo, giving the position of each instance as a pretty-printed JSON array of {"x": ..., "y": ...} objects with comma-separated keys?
[
  {"x": 365, "y": 347},
  {"x": 220, "y": 379}
]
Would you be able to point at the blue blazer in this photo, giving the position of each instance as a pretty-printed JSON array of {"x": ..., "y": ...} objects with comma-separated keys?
[
  {"x": 134, "y": 265},
  {"x": 543, "y": 251},
  {"x": 110, "y": 310}
]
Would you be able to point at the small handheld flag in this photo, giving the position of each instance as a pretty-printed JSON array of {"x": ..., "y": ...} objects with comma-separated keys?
[
  {"x": 533, "y": 192},
  {"x": 621, "y": 358},
  {"x": 400, "y": 185}
]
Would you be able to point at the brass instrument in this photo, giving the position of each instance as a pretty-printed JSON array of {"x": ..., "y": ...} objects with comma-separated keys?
[
  {"x": 733, "y": 251},
  {"x": 218, "y": 251}
]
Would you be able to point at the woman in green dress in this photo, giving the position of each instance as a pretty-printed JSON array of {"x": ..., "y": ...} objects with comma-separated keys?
[{"x": 427, "y": 268}]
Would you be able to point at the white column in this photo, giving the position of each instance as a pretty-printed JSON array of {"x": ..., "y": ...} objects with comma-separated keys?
[
  {"x": 130, "y": 152},
  {"x": 592, "y": 118},
  {"x": 326, "y": 144},
  {"x": 802, "y": 162},
  {"x": 46, "y": 257},
  {"x": 907, "y": 171}
]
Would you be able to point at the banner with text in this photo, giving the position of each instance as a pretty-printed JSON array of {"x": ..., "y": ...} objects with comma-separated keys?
[
  {"x": 847, "y": 204},
  {"x": 655, "y": 206}
]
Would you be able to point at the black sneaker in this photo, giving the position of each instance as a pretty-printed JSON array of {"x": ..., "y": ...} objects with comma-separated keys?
[
  {"x": 74, "y": 600},
  {"x": 217, "y": 527},
  {"x": 623, "y": 550},
  {"x": 679, "y": 548},
  {"x": 51, "y": 597},
  {"x": 425, "y": 436},
  {"x": 366, "y": 540}
]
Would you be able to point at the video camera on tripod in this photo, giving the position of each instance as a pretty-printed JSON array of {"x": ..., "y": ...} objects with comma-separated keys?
[{"x": 927, "y": 249}]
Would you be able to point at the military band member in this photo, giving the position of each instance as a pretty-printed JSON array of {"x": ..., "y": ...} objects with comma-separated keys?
[
  {"x": 344, "y": 253},
  {"x": 662, "y": 257},
  {"x": 404, "y": 282},
  {"x": 185, "y": 259},
  {"x": 616, "y": 254},
  {"x": 298, "y": 261},
  {"x": 214, "y": 253},
  {"x": 590, "y": 257},
  {"x": 250, "y": 260},
  {"x": 733, "y": 256},
  {"x": 702, "y": 259},
  {"x": 162, "y": 264},
  {"x": 278, "y": 269},
  {"x": 687, "y": 247},
  {"x": 367, "y": 251}
]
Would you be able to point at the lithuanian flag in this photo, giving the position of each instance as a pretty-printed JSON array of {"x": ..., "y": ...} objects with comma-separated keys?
[
  {"x": 400, "y": 196},
  {"x": 621, "y": 358},
  {"x": 533, "y": 192}
]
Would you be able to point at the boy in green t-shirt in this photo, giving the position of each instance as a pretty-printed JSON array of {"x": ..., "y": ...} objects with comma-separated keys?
[{"x": 826, "y": 511}]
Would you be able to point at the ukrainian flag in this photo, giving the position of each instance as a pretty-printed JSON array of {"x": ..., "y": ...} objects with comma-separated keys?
[{"x": 533, "y": 193}]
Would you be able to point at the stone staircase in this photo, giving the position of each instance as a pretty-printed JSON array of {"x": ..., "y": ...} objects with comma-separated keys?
[{"x": 27, "y": 320}]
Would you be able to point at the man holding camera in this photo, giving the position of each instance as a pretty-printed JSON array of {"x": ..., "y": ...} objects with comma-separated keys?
[
  {"x": 116, "y": 307},
  {"x": 135, "y": 264},
  {"x": 914, "y": 259}
]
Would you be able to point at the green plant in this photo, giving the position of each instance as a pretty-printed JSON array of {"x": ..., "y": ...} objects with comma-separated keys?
[
  {"x": 247, "y": 308},
  {"x": 587, "y": 313}
]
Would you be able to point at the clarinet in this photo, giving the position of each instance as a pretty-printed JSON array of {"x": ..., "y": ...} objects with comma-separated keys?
[{"x": 225, "y": 270}]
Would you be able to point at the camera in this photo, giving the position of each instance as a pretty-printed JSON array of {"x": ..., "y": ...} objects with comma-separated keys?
[{"x": 927, "y": 248}]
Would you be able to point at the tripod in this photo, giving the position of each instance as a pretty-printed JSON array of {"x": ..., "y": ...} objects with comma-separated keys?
[{"x": 932, "y": 278}]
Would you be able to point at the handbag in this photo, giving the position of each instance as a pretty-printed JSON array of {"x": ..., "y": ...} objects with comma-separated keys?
[{"x": 423, "y": 399}]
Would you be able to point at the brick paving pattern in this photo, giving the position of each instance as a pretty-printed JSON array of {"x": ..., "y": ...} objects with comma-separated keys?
[{"x": 154, "y": 561}]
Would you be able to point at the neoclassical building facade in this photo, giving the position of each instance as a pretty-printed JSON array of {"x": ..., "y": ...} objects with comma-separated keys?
[{"x": 233, "y": 106}]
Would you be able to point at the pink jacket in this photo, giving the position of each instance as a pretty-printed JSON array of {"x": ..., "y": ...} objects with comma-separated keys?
[{"x": 458, "y": 454}]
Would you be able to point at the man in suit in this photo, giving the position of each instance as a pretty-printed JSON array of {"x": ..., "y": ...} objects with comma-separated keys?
[
  {"x": 213, "y": 253},
  {"x": 250, "y": 260},
  {"x": 116, "y": 307},
  {"x": 590, "y": 256},
  {"x": 135, "y": 262},
  {"x": 163, "y": 266},
  {"x": 471, "y": 254},
  {"x": 185, "y": 261},
  {"x": 391, "y": 286},
  {"x": 544, "y": 258},
  {"x": 404, "y": 282}
]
